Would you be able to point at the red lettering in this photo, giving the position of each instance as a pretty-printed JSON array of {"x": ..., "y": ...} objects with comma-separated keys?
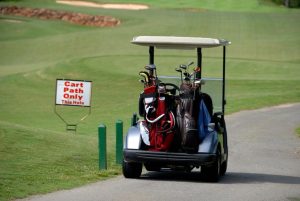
[
  {"x": 67, "y": 83},
  {"x": 73, "y": 93},
  {"x": 76, "y": 90},
  {"x": 72, "y": 84}
]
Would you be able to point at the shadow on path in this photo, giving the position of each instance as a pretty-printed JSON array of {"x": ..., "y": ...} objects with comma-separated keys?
[
  {"x": 241, "y": 177},
  {"x": 229, "y": 178}
]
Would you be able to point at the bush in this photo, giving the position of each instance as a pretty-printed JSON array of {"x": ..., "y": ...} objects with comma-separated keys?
[
  {"x": 288, "y": 3},
  {"x": 294, "y": 3},
  {"x": 278, "y": 1},
  {"x": 9, "y": 0}
]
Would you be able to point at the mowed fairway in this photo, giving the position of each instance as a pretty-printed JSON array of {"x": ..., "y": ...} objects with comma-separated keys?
[{"x": 37, "y": 155}]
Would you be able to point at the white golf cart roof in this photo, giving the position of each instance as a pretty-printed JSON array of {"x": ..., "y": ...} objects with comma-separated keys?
[{"x": 175, "y": 42}]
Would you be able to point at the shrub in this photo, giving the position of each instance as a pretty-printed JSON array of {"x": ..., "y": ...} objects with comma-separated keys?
[{"x": 288, "y": 3}]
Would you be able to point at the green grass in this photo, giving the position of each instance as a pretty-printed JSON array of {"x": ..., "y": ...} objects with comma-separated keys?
[
  {"x": 32, "y": 161},
  {"x": 37, "y": 155},
  {"x": 298, "y": 131},
  {"x": 294, "y": 198}
]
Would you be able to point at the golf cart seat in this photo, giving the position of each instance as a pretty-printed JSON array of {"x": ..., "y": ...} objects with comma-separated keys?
[
  {"x": 208, "y": 102},
  {"x": 215, "y": 116}
]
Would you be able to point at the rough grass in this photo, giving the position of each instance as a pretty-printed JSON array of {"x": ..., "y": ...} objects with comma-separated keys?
[{"x": 37, "y": 156}]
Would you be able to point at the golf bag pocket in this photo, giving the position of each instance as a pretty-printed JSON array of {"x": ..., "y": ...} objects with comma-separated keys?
[
  {"x": 189, "y": 138},
  {"x": 162, "y": 133},
  {"x": 144, "y": 132},
  {"x": 187, "y": 125},
  {"x": 161, "y": 126}
]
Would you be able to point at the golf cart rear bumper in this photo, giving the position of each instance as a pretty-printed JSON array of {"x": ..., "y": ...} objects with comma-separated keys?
[{"x": 168, "y": 158}]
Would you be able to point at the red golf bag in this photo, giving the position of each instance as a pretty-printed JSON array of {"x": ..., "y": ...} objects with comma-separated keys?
[{"x": 160, "y": 119}]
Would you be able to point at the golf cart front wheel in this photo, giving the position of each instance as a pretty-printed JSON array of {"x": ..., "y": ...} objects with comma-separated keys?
[{"x": 131, "y": 169}]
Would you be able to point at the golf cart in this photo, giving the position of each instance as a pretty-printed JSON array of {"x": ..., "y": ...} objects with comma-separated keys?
[{"x": 182, "y": 125}]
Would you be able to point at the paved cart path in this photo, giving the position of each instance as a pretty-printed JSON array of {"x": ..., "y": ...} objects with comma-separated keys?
[{"x": 264, "y": 164}]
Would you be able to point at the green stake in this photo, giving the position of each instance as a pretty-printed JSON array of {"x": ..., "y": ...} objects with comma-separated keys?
[
  {"x": 102, "y": 146},
  {"x": 119, "y": 142}
]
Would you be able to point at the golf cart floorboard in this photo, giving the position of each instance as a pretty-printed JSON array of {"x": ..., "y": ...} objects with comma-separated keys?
[{"x": 169, "y": 158}]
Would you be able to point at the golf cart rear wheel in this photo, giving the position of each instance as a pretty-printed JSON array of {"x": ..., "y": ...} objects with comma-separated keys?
[
  {"x": 223, "y": 168},
  {"x": 212, "y": 173},
  {"x": 224, "y": 164},
  {"x": 131, "y": 169}
]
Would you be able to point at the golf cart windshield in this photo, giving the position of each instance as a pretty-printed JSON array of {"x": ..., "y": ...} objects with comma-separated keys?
[{"x": 211, "y": 86}]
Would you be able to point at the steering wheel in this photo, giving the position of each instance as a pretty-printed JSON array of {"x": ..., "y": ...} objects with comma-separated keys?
[{"x": 170, "y": 87}]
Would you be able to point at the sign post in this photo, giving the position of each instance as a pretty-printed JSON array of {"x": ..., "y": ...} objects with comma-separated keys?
[{"x": 73, "y": 93}]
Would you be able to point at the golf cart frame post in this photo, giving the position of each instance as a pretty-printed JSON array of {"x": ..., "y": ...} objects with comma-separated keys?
[{"x": 223, "y": 84}]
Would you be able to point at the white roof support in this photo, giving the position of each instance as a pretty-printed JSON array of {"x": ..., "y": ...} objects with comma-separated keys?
[{"x": 175, "y": 42}]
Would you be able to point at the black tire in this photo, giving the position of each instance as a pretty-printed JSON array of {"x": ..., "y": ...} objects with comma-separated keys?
[
  {"x": 131, "y": 169},
  {"x": 212, "y": 173},
  {"x": 224, "y": 164},
  {"x": 223, "y": 167}
]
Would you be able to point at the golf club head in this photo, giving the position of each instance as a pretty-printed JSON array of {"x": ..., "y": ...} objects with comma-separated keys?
[
  {"x": 202, "y": 82},
  {"x": 182, "y": 66},
  {"x": 145, "y": 75},
  {"x": 191, "y": 63},
  {"x": 150, "y": 67},
  {"x": 178, "y": 70}
]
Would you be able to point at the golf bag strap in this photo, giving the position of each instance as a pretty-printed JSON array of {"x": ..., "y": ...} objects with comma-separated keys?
[
  {"x": 156, "y": 119},
  {"x": 171, "y": 122}
]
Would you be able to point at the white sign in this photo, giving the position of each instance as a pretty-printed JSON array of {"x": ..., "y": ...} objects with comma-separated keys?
[{"x": 73, "y": 92}]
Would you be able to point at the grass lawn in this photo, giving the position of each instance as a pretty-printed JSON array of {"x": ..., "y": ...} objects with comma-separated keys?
[
  {"x": 298, "y": 131},
  {"x": 39, "y": 160},
  {"x": 38, "y": 156}
]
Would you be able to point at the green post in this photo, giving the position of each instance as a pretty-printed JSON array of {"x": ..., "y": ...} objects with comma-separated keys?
[
  {"x": 119, "y": 142},
  {"x": 102, "y": 146}
]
